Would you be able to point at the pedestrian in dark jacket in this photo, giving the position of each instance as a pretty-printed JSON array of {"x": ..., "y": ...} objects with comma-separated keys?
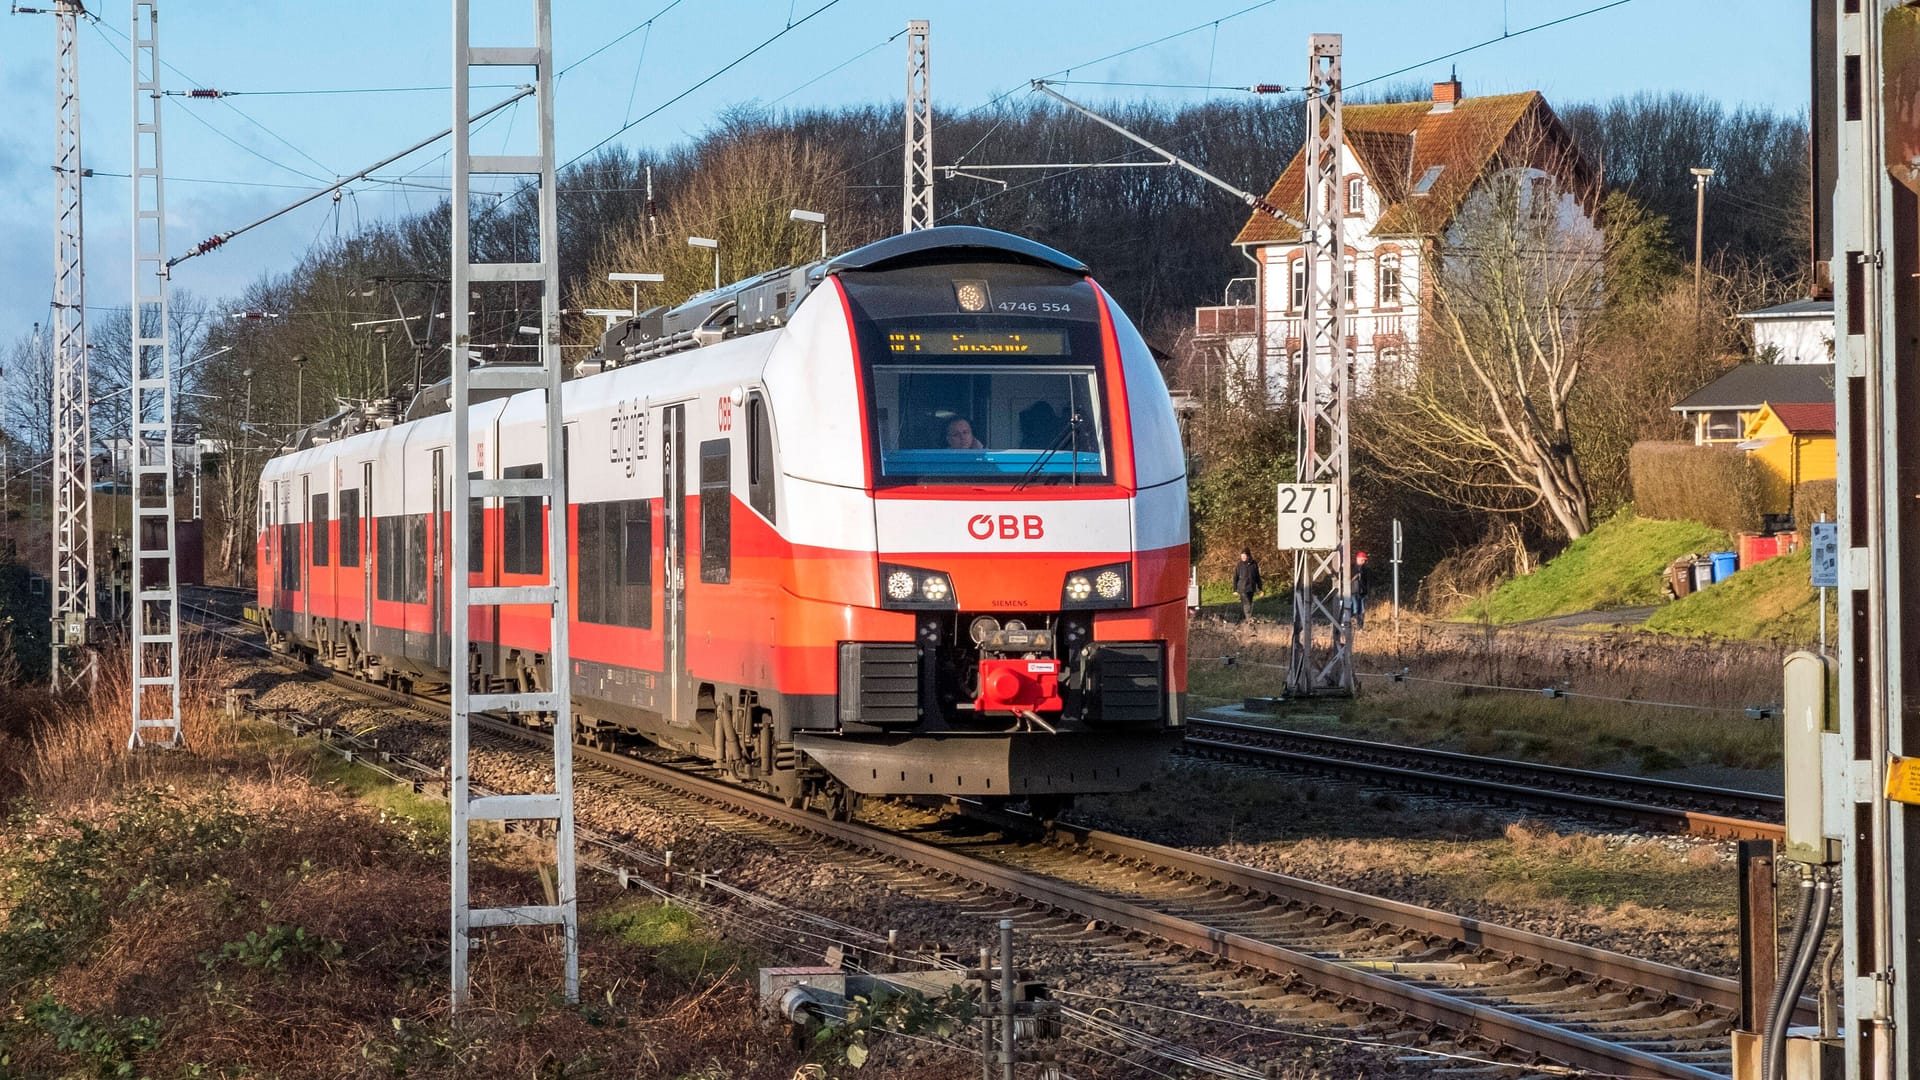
[
  {"x": 1246, "y": 583},
  {"x": 1358, "y": 593}
]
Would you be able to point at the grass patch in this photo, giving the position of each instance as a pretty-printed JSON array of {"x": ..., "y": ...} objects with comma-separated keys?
[
  {"x": 1769, "y": 602},
  {"x": 1618, "y": 564},
  {"x": 679, "y": 942}
]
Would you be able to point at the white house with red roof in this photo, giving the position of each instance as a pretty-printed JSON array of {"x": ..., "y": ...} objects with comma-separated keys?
[{"x": 1408, "y": 170}]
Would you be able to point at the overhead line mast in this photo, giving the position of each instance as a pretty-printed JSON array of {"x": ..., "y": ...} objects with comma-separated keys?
[
  {"x": 1321, "y": 658},
  {"x": 153, "y": 642},
  {"x": 916, "y": 210},
  {"x": 462, "y": 478},
  {"x": 73, "y": 596}
]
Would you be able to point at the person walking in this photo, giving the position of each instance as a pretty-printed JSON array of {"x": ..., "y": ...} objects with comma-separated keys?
[
  {"x": 1246, "y": 583},
  {"x": 1358, "y": 592}
]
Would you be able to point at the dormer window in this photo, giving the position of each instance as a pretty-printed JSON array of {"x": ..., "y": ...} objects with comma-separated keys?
[{"x": 1356, "y": 195}]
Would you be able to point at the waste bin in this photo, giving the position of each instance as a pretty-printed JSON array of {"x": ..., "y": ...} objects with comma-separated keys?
[
  {"x": 1724, "y": 564},
  {"x": 1702, "y": 572},
  {"x": 1680, "y": 577}
]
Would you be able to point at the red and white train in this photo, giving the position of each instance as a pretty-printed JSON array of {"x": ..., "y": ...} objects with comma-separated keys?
[{"x": 912, "y": 520}]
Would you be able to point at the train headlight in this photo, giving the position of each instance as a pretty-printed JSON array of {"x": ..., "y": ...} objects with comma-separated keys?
[
  {"x": 913, "y": 587},
  {"x": 1097, "y": 587}
]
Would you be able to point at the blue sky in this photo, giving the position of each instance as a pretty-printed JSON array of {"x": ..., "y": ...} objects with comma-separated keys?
[{"x": 980, "y": 48}]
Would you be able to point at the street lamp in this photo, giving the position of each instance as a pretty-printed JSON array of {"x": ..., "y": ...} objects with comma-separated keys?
[
  {"x": 636, "y": 279},
  {"x": 816, "y": 218},
  {"x": 705, "y": 242}
]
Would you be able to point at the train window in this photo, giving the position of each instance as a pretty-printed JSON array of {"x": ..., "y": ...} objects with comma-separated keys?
[
  {"x": 523, "y": 544},
  {"x": 760, "y": 467},
  {"x": 416, "y": 568},
  {"x": 322, "y": 539},
  {"x": 350, "y": 527},
  {"x": 1013, "y": 422},
  {"x": 476, "y": 531},
  {"x": 289, "y": 557},
  {"x": 387, "y": 537},
  {"x": 716, "y": 511},
  {"x": 589, "y": 547},
  {"x": 636, "y": 573}
]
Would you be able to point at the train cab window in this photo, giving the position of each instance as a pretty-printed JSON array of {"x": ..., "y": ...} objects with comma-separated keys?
[
  {"x": 982, "y": 374},
  {"x": 760, "y": 467},
  {"x": 523, "y": 545},
  {"x": 350, "y": 527},
  {"x": 322, "y": 540},
  {"x": 716, "y": 511}
]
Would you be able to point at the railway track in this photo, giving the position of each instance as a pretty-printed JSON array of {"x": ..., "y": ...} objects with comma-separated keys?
[
  {"x": 1513, "y": 994},
  {"x": 1657, "y": 804}
]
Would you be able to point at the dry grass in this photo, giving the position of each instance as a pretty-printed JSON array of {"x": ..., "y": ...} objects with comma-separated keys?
[{"x": 1446, "y": 707}]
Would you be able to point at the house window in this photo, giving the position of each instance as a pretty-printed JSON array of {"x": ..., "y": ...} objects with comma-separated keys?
[
  {"x": 1350, "y": 286},
  {"x": 1356, "y": 195},
  {"x": 1721, "y": 426},
  {"x": 1299, "y": 272},
  {"x": 1389, "y": 279}
]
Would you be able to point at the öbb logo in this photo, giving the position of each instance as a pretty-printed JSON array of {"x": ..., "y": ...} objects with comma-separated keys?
[{"x": 1006, "y": 527}]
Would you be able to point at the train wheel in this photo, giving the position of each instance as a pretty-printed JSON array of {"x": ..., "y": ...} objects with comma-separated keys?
[{"x": 842, "y": 803}]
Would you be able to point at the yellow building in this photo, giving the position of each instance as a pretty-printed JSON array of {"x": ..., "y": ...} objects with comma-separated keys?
[{"x": 1794, "y": 443}]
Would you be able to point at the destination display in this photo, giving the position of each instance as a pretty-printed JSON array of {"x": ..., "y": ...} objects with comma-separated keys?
[{"x": 977, "y": 342}]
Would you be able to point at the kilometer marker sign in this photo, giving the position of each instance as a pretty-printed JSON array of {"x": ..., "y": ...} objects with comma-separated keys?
[{"x": 1309, "y": 518}]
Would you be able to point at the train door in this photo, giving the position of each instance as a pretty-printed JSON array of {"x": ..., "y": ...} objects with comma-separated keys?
[
  {"x": 673, "y": 500},
  {"x": 365, "y": 527},
  {"x": 437, "y": 584}
]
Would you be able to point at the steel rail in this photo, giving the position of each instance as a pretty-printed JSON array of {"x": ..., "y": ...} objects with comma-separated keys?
[
  {"x": 1517, "y": 1033},
  {"x": 1541, "y": 786}
]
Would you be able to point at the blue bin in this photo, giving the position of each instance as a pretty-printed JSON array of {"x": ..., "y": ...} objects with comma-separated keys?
[{"x": 1724, "y": 564}]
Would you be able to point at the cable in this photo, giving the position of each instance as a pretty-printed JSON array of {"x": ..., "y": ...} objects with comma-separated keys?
[
  {"x": 836, "y": 68},
  {"x": 618, "y": 40},
  {"x": 1490, "y": 41},
  {"x": 319, "y": 91},
  {"x": 735, "y": 62}
]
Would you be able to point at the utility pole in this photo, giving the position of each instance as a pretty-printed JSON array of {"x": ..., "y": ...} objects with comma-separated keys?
[
  {"x": 153, "y": 642},
  {"x": 1700, "y": 178},
  {"x": 73, "y": 593},
  {"x": 916, "y": 211},
  {"x": 1321, "y": 659},
  {"x": 548, "y": 486}
]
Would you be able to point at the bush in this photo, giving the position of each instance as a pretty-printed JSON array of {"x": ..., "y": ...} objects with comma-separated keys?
[
  {"x": 1717, "y": 486},
  {"x": 1812, "y": 499}
]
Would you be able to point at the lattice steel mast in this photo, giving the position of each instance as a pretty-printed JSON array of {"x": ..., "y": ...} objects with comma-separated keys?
[
  {"x": 916, "y": 210},
  {"x": 154, "y": 641},
  {"x": 1321, "y": 659},
  {"x": 554, "y": 699},
  {"x": 73, "y": 599}
]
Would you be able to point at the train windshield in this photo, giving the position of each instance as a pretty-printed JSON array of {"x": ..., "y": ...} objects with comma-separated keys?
[
  {"x": 982, "y": 374},
  {"x": 1040, "y": 423}
]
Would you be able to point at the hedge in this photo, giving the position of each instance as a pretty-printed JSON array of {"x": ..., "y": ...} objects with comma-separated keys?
[
  {"x": 1714, "y": 485},
  {"x": 1812, "y": 499}
]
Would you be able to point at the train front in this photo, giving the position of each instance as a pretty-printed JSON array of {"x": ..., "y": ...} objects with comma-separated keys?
[{"x": 1028, "y": 491}]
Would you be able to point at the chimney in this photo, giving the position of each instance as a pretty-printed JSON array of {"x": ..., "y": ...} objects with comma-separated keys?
[{"x": 1447, "y": 94}]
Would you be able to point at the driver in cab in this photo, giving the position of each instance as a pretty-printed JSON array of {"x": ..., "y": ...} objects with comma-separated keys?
[{"x": 960, "y": 435}]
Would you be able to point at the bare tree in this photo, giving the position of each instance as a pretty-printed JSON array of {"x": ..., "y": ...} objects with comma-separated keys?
[{"x": 1516, "y": 288}]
